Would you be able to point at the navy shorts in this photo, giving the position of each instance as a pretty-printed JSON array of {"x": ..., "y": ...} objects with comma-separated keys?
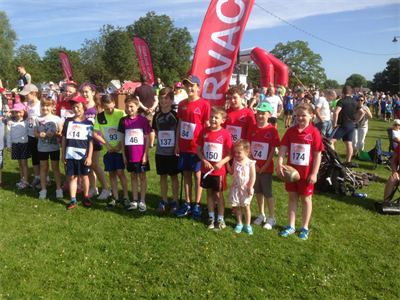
[
  {"x": 215, "y": 183},
  {"x": 113, "y": 161},
  {"x": 345, "y": 133},
  {"x": 167, "y": 165},
  {"x": 189, "y": 162},
  {"x": 54, "y": 155},
  {"x": 77, "y": 167},
  {"x": 137, "y": 167}
]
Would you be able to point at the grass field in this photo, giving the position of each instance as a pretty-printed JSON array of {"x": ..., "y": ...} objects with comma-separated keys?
[{"x": 47, "y": 252}]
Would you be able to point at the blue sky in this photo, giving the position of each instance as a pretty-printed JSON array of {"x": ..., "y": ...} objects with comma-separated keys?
[{"x": 367, "y": 26}]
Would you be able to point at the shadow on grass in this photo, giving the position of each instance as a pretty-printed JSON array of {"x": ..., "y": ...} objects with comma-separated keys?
[{"x": 365, "y": 203}]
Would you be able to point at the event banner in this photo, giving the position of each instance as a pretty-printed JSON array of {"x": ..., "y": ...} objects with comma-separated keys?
[
  {"x": 218, "y": 45},
  {"x": 66, "y": 65},
  {"x": 144, "y": 58}
]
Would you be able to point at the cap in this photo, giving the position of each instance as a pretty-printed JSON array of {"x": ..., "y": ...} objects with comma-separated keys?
[
  {"x": 51, "y": 83},
  {"x": 178, "y": 85},
  {"x": 265, "y": 106},
  {"x": 2, "y": 89},
  {"x": 78, "y": 99},
  {"x": 18, "y": 106},
  {"x": 301, "y": 90},
  {"x": 192, "y": 79},
  {"x": 29, "y": 88},
  {"x": 383, "y": 96}
]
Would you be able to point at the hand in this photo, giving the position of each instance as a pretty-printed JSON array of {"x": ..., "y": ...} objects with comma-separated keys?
[
  {"x": 177, "y": 150},
  {"x": 217, "y": 166},
  {"x": 207, "y": 164},
  {"x": 257, "y": 169},
  {"x": 279, "y": 171},
  {"x": 88, "y": 161},
  {"x": 51, "y": 134},
  {"x": 110, "y": 148},
  {"x": 64, "y": 159},
  {"x": 144, "y": 159},
  {"x": 9, "y": 149},
  {"x": 42, "y": 134},
  {"x": 312, "y": 179},
  {"x": 395, "y": 176},
  {"x": 250, "y": 191},
  {"x": 124, "y": 159}
]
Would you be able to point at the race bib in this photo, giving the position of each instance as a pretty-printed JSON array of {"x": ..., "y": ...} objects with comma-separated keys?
[
  {"x": 134, "y": 137},
  {"x": 111, "y": 134},
  {"x": 187, "y": 130},
  {"x": 235, "y": 131},
  {"x": 166, "y": 138},
  {"x": 300, "y": 154},
  {"x": 213, "y": 151},
  {"x": 77, "y": 131},
  {"x": 259, "y": 150}
]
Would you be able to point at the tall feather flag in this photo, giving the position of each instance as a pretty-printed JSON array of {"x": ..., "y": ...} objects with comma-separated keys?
[
  {"x": 144, "y": 58},
  {"x": 66, "y": 65}
]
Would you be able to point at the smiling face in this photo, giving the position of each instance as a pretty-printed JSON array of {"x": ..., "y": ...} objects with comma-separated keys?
[
  {"x": 131, "y": 109},
  {"x": 19, "y": 115},
  {"x": 235, "y": 101},
  {"x": 240, "y": 153},
  {"x": 262, "y": 118},
  {"x": 303, "y": 117},
  {"x": 192, "y": 90},
  {"x": 216, "y": 120},
  {"x": 165, "y": 101},
  {"x": 69, "y": 91},
  {"x": 78, "y": 109},
  {"x": 109, "y": 108},
  {"x": 47, "y": 109},
  {"x": 87, "y": 93}
]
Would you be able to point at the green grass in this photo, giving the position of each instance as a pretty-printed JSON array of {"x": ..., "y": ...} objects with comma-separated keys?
[{"x": 47, "y": 252}]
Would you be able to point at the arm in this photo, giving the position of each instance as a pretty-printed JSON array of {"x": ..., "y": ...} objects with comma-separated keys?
[
  {"x": 122, "y": 143},
  {"x": 335, "y": 116},
  {"x": 28, "y": 78},
  {"x": 155, "y": 103},
  {"x": 360, "y": 115},
  {"x": 229, "y": 168},
  {"x": 280, "y": 107},
  {"x": 312, "y": 178},
  {"x": 367, "y": 112},
  {"x": 393, "y": 165},
  {"x": 279, "y": 166},
  {"x": 252, "y": 179},
  {"x": 268, "y": 161},
  {"x": 88, "y": 160},
  {"x": 252, "y": 102},
  {"x": 63, "y": 144},
  {"x": 206, "y": 163},
  {"x": 100, "y": 139},
  {"x": 178, "y": 136},
  {"x": 223, "y": 161},
  {"x": 9, "y": 129},
  {"x": 146, "y": 149},
  {"x": 318, "y": 114}
]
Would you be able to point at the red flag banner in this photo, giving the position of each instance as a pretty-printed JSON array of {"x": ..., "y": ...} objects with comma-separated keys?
[
  {"x": 217, "y": 46},
  {"x": 144, "y": 58},
  {"x": 66, "y": 65}
]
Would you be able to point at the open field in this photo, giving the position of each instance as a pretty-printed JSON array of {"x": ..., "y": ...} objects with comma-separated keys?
[{"x": 47, "y": 252}]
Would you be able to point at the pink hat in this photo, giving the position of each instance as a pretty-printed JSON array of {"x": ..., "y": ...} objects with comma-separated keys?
[
  {"x": 18, "y": 106},
  {"x": 78, "y": 99},
  {"x": 178, "y": 85}
]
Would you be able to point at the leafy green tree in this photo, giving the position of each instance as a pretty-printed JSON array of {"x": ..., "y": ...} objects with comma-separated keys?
[
  {"x": 356, "y": 80},
  {"x": 254, "y": 75},
  {"x": 27, "y": 56},
  {"x": 119, "y": 56},
  {"x": 389, "y": 79},
  {"x": 331, "y": 84},
  {"x": 302, "y": 61},
  {"x": 8, "y": 41},
  {"x": 170, "y": 46}
]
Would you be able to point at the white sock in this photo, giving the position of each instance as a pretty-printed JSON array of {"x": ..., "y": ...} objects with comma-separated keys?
[
  {"x": 211, "y": 215},
  {"x": 220, "y": 217}
]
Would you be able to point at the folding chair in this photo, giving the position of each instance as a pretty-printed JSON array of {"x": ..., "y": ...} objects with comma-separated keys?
[
  {"x": 379, "y": 156},
  {"x": 390, "y": 136}
]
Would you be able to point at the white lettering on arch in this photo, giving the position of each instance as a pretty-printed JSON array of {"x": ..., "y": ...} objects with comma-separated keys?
[{"x": 230, "y": 20}]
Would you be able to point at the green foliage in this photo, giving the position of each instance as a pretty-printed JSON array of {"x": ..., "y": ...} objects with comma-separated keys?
[
  {"x": 254, "y": 75},
  {"x": 302, "y": 61},
  {"x": 356, "y": 80},
  {"x": 27, "y": 56},
  {"x": 8, "y": 41},
  {"x": 52, "y": 66},
  {"x": 389, "y": 78},
  {"x": 331, "y": 84},
  {"x": 169, "y": 46}
]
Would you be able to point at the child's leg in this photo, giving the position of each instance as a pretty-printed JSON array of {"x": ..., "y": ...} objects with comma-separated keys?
[
  {"x": 21, "y": 173},
  {"x": 197, "y": 188},
  {"x": 210, "y": 202},
  {"x": 134, "y": 184},
  {"x": 271, "y": 207},
  {"x": 238, "y": 214},
  {"x": 247, "y": 214},
  {"x": 85, "y": 184},
  {"x": 98, "y": 171},
  {"x": 143, "y": 186},
  {"x": 292, "y": 208},
  {"x": 124, "y": 182},
  {"x": 260, "y": 202},
  {"x": 44, "y": 167},
  {"x": 164, "y": 186},
  {"x": 73, "y": 185},
  {"x": 306, "y": 202},
  {"x": 55, "y": 165},
  {"x": 175, "y": 187},
  {"x": 92, "y": 178},
  {"x": 221, "y": 203},
  {"x": 114, "y": 184},
  {"x": 23, "y": 165},
  {"x": 188, "y": 185}
]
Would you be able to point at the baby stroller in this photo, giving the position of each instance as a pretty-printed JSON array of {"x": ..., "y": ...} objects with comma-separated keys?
[{"x": 334, "y": 176}]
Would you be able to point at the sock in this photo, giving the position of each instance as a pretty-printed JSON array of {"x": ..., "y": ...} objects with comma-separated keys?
[
  {"x": 48, "y": 178},
  {"x": 220, "y": 217},
  {"x": 73, "y": 199},
  {"x": 37, "y": 177},
  {"x": 211, "y": 215},
  {"x": 86, "y": 196}
]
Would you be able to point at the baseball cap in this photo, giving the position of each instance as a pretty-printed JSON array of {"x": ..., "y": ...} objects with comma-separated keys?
[
  {"x": 51, "y": 83},
  {"x": 192, "y": 79},
  {"x": 265, "y": 106},
  {"x": 78, "y": 99},
  {"x": 29, "y": 88},
  {"x": 18, "y": 106},
  {"x": 178, "y": 85}
]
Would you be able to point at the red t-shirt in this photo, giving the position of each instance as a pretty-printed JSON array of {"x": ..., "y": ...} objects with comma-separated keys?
[
  {"x": 261, "y": 141},
  {"x": 397, "y": 150},
  {"x": 64, "y": 110},
  {"x": 193, "y": 116},
  {"x": 301, "y": 147},
  {"x": 238, "y": 122},
  {"x": 216, "y": 146}
]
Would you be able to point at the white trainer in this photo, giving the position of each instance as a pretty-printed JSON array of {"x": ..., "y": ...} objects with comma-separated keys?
[
  {"x": 59, "y": 194},
  {"x": 142, "y": 206},
  {"x": 260, "y": 219},
  {"x": 104, "y": 195},
  {"x": 93, "y": 192},
  {"x": 270, "y": 223},
  {"x": 43, "y": 194}
]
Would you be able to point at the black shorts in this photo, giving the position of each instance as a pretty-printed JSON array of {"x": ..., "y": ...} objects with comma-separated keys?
[
  {"x": 167, "y": 165},
  {"x": 216, "y": 183},
  {"x": 54, "y": 155},
  {"x": 32, "y": 145},
  {"x": 288, "y": 112},
  {"x": 97, "y": 147},
  {"x": 77, "y": 167},
  {"x": 137, "y": 167},
  {"x": 272, "y": 120}
]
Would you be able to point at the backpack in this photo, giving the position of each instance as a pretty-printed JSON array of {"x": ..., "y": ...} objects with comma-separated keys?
[{"x": 331, "y": 179}]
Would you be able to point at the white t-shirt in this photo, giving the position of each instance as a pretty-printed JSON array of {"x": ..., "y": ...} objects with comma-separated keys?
[
  {"x": 396, "y": 134},
  {"x": 324, "y": 110},
  {"x": 275, "y": 102}
]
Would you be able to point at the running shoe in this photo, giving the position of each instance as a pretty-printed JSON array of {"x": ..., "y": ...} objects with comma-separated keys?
[
  {"x": 93, "y": 192},
  {"x": 303, "y": 234},
  {"x": 238, "y": 228},
  {"x": 35, "y": 182},
  {"x": 65, "y": 186},
  {"x": 59, "y": 194},
  {"x": 163, "y": 206},
  {"x": 174, "y": 207},
  {"x": 39, "y": 185},
  {"x": 219, "y": 225},
  {"x": 183, "y": 211},
  {"x": 196, "y": 212},
  {"x": 142, "y": 206},
  {"x": 87, "y": 202},
  {"x": 104, "y": 195},
  {"x": 287, "y": 231},
  {"x": 71, "y": 205},
  {"x": 112, "y": 203},
  {"x": 130, "y": 205},
  {"x": 260, "y": 219},
  {"x": 248, "y": 229},
  {"x": 43, "y": 194},
  {"x": 270, "y": 224},
  {"x": 210, "y": 223}
]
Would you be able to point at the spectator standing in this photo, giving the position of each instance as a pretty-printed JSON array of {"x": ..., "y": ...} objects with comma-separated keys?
[
  {"x": 382, "y": 104},
  {"x": 158, "y": 86},
  {"x": 288, "y": 108},
  {"x": 179, "y": 95},
  {"x": 276, "y": 104},
  {"x": 323, "y": 116},
  {"x": 53, "y": 92},
  {"x": 361, "y": 129},
  {"x": 23, "y": 80}
]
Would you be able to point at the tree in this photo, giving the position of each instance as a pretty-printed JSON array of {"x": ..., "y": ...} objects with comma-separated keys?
[
  {"x": 331, "y": 84},
  {"x": 8, "y": 41},
  {"x": 302, "y": 61},
  {"x": 389, "y": 79},
  {"x": 254, "y": 75},
  {"x": 356, "y": 80},
  {"x": 170, "y": 46},
  {"x": 27, "y": 56}
]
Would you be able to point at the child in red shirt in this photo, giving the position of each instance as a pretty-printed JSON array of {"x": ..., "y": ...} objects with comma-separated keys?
[
  {"x": 214, "y": 150},
  {"x": 264, "y": 138},
  {"x": 303, "y": 144}
]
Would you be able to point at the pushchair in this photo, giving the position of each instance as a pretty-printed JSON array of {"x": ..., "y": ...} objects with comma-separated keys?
[{"x": 334, "y": 176}]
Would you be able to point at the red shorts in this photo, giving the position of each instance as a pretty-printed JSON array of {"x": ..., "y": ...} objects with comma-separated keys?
[{"x": 301, "y": 187}]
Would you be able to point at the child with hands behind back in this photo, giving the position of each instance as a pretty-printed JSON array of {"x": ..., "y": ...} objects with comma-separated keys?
[
  {"x": 303, "y": 144},
  {"x": 244, "y": 177}
]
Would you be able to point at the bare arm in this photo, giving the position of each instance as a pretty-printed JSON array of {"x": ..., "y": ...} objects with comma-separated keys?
[
  {"x": 335, "y": 116},
  {"x": 312, "y": 178}
]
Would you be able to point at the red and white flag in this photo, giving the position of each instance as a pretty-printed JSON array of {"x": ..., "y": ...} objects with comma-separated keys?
[
  {"x": 66, "y": 65},
  {"x": 217, "y": 46},
  {"x": 144, "y": 58}
]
